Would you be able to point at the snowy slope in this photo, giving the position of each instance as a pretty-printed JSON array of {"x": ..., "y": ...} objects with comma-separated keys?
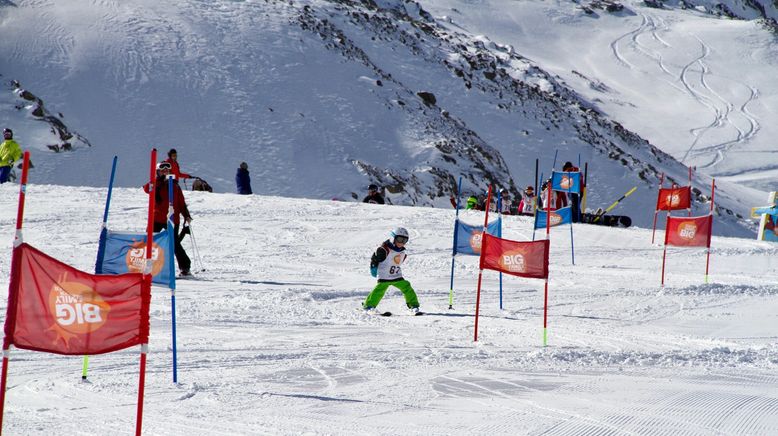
[
  {"x": 271, "y": 341},
  {"x": 322, "y": 97},
  {"x": 697, "y": 86}
]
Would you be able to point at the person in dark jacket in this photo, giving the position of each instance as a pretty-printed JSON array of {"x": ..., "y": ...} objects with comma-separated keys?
[
  {"x": 243, "y": 180},
  {"x": 161, "y": 204},
  {"x": 373, "y": 196}
]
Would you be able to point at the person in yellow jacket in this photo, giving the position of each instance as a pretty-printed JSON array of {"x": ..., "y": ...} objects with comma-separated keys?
[{"x": 10, "y": 152}]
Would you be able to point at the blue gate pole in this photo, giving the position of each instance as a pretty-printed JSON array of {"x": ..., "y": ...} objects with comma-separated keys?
[
  {"x": 101, "y": 248},
  {"x": 454, "y": 249},
  {"x": 172, "y": 268}
]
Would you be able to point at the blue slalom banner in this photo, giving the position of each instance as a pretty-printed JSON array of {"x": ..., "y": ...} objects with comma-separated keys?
[
  {"x": 769, "y": 226},
  {"x": 558, "y": 217},
  {"x": 468, "y": 238},
  {"x": 124, "y": 252},
  {"x": 566, "y": 181}
]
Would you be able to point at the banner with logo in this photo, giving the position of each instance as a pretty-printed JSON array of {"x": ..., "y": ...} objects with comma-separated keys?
[
  {"x": 689, "y": 231},
  {"x": 674, "y": 198},
  {"x": 558, "y": 217},
  {"x": 768, "y": 219},
  {"x": 123, "y": 252},
  {"x": 469, "y": 237},
  {"x": 524, "y": 259},
  {"x": 59, "y": 309},
  {"x": 566, "y": 181}
]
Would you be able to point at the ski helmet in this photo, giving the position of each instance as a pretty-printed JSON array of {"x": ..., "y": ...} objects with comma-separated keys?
[
  {"x": 399, "y": 234},
  {"x": 8, "y": 134},
  {"x": 372, "y": 187},
  {"x": 472, "y": 202}
]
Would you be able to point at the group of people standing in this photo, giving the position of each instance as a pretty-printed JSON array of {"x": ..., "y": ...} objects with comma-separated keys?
[{"x": 529, "y": 201}]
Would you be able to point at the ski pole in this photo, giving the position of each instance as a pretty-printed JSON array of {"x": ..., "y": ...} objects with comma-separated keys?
[
  {"x": 615, "y": 203},
  {"x": 195, "y": 250}
]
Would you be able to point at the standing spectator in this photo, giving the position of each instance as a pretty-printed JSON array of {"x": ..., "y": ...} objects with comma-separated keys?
[
  {"x": 172, "y": 159},
  {"x": 243, "y": 180},
  {"x": 574, "y": 198},
  {"x": 558, "y": 198},
  {"x": 527, "y": 203},
  {"x": 10, "y": 152},
  {"x": 161, "y": 204},
  {"x": 505, "y": 200},
  {"x": 373, "y": 196}
]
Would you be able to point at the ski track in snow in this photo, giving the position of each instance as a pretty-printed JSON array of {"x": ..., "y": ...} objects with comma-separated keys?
[
  {"x": 270, "y": 338},
  {"x": 730, "y": 119}
]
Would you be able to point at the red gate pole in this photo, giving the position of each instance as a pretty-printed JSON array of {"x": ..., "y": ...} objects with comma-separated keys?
[
  {"x": 664, "y": 253},
  {"x": 710, "y": 228},
  {"x": 146, "y": 291},
  {"x": 480, "y": 268},
  {"x": 545, "y": 291},
  {"x": 10, "y": 318}
]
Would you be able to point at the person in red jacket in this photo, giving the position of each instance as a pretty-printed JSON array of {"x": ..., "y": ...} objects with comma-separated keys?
[
  {"x": 161, "y": 205},
  {"x": 172, "y": 159}
]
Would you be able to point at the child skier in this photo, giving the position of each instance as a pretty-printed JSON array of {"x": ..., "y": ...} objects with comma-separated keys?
[{"x": 386, "y": 266}]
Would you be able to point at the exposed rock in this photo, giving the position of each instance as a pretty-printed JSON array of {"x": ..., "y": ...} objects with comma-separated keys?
[{"x": 427, "y": 97}]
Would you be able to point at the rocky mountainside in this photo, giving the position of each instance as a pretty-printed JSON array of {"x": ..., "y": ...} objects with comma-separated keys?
[{"x": 321, "y": 98}]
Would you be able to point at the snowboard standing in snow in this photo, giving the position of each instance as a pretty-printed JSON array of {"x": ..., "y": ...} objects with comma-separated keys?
[{"x": 607, "y": 220}]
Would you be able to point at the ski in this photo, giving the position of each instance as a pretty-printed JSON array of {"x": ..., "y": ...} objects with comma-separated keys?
[
  {"x": 188, "y": 277},
  {"x": 375, "y": 312}
]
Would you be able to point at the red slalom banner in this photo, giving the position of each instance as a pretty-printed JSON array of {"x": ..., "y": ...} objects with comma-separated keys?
[
  {"x": 59, "y": 309},
  {"x": 55, "y": 308},
  {"x": 523, "y": 259},
  {"x": 674, "y": 198},
  {"x": 690, "y": 232}
]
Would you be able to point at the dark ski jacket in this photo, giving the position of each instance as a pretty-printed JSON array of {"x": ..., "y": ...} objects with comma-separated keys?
[
  {"x": 243, "y": 181},
  {"x": 375, "y": 198},
  {"x": 381, "y": 253}
]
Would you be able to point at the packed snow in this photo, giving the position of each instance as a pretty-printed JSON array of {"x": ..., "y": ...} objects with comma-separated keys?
[{"x": 272, "y": 339}]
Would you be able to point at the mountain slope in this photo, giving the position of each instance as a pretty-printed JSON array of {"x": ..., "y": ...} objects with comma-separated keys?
[{"x": 321, "y": 98}]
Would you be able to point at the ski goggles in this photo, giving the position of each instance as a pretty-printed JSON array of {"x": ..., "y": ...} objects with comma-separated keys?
[
  {"x": 164, "y": 166},
  {"x": 400, "y": 239}
]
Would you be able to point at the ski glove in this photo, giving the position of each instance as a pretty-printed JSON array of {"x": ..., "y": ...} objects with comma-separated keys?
[{"x": 374, "y": 271}]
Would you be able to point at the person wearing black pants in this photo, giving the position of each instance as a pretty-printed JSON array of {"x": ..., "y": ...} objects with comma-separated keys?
[{"x": 161, "y": 204}]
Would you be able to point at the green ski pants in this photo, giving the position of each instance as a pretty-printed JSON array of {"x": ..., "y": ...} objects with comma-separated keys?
[{"x": 378, "y": 292}]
